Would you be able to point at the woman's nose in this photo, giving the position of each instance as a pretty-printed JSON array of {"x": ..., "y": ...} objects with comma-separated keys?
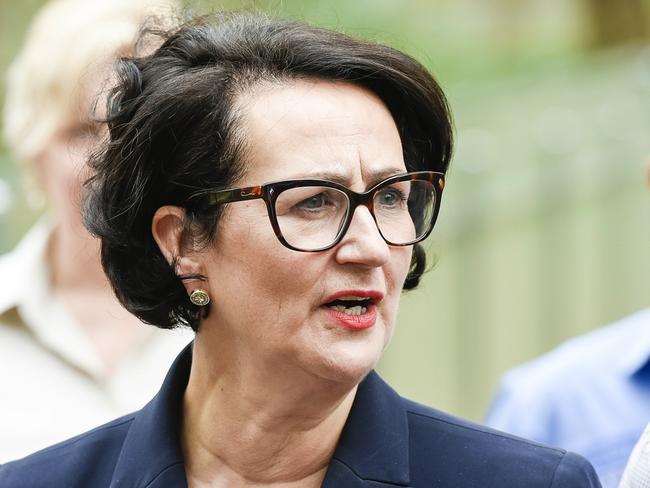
[{"x": 362, "y": 243}]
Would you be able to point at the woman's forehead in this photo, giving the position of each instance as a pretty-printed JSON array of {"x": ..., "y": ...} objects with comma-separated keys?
[{"x": 310, "y": 127}]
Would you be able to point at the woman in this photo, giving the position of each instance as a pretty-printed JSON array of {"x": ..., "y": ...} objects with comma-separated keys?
[{"x": 267, "y": 183}]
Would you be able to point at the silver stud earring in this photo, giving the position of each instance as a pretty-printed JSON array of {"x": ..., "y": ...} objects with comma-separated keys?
[{"x": 199, "y": 297}]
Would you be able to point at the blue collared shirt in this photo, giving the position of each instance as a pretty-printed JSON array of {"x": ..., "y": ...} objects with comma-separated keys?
[{"x": 591, "y": 395}]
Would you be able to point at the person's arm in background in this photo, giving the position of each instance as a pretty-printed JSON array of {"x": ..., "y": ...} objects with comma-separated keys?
[{"x": 523, "y": 406}]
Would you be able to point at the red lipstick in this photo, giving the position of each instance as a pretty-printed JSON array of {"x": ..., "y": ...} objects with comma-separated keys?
[
  {"x": 375, "y": 296},
  {"x": 363, "y": 302},
  {"x": 354, "y": 322}
]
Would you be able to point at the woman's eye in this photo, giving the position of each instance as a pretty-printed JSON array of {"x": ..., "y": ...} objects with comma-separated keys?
[
  {"x": 390, "y": 197},
  {"x": 315, "y": 202},
  {"x": 309, "y": 202}
]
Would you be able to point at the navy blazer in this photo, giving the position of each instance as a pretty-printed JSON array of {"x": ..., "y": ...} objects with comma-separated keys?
[{"x": 387, "y": 441}]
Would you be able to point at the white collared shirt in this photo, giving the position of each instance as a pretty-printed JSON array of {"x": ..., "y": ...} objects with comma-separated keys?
[
  {"x": 637, "y": 471},
  {"x": 51, "y": 381}
]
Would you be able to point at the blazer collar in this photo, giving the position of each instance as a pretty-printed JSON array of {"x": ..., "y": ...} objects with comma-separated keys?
[
  {"x": 151, "y": 454},
  {"x": 374, "y": 446},
  {"x": 373, "y": 449}
]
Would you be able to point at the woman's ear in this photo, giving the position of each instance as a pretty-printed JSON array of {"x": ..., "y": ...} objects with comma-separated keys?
[{"x": 167, "y": 228}]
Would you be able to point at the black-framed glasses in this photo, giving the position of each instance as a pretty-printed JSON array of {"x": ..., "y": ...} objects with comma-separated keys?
[{"x": 313, "y": 215}]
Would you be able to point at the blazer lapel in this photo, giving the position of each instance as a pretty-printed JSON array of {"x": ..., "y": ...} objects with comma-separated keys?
[
  {"x": 374, "y": 446},
  {"x": 151, "y": 454}
]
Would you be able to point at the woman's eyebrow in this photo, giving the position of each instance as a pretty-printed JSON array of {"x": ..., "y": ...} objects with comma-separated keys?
[
  {"x": 325, "y": 175},
  {"x": 373, "y": 176},
  {"x": 382, "y": 174}
]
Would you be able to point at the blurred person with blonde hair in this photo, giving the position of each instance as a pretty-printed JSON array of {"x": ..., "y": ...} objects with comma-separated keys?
[{"x": 70, "y": 356}]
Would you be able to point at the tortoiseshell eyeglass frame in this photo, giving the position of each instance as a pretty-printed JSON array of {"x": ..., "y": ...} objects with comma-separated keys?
[{"x": 269, "y": 192}]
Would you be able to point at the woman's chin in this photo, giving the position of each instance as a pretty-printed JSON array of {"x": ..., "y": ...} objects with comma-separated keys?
[
  {"x": 347, "y": 365},
  {"x": 349, "y": 357}
]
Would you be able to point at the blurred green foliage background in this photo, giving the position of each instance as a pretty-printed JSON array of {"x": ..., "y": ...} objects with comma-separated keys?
[{"x": 544, "y": 231}]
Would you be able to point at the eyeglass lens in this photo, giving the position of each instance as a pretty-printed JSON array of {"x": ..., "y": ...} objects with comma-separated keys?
[{"x": 311, "y": 217}]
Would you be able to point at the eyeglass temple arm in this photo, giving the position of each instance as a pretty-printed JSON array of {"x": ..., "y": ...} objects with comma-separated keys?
[{"x": 235, "y": 195}]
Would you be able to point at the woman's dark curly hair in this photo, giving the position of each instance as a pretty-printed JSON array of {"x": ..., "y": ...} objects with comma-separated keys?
[{"x": 173, "y": 133}]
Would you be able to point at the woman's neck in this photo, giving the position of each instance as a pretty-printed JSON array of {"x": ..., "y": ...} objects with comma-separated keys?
[{"x": 239, "y": 431}]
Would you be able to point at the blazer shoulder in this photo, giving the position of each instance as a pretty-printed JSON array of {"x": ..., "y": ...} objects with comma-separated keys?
[
  {"x": 85, "y": 460},
  {"x": 468, "y": 454}
]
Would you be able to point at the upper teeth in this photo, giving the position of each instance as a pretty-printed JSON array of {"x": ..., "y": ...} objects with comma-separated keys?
[{"x": 357, "y": 310}]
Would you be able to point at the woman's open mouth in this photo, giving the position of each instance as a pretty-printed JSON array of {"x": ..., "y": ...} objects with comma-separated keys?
[{"x": 354, "y": 310}]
